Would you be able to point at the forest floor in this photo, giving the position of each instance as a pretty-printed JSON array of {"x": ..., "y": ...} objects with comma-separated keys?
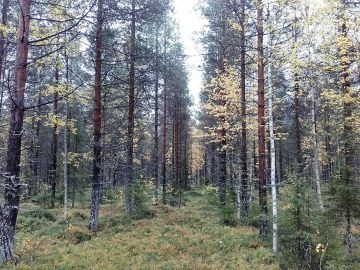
[{"x": 190, "y": 237}]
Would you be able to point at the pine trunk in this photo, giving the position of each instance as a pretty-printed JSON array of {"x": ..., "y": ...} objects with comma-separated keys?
[
  {"x": 96, "y": 178},
  {"x": 9, "y": 211},
  {"x": 131, "y": 118},
  {"x": 164, "y": 142},
  {"x": 54, "y": 141},
  {"x": 298, "y": 154},
  {"x": 244, "y": 200},
  {"x": 156, "y": 146},
  {"x": 261, "y": 122}
]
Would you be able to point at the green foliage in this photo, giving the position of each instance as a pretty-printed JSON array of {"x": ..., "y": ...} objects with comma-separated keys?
[
  {"x": 343, "y": 195},
  {"x": 78, "y": 215},
  {"x": 308, "y": 238},
  {"x": 40, "y": 214},
  {"x": 140, "y": 200},
  {"x": 226, "y": 212},
  {"x": 26, "y": 224},
  {"x": 297, "y": 229},
  {"x": 42, "y": 198},
  {"x": 77, "y": 235}
]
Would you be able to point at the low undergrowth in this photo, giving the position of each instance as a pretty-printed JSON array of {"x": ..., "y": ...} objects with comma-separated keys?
[{"x": 165, "y": 237}]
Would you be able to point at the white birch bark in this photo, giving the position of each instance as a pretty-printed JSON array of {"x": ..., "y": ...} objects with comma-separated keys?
[
  {"x": 273, "y": 158},
  {"x": 315, "y": 151}
]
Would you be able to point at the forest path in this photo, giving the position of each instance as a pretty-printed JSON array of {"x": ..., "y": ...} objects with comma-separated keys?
[{"x": 187, "y": 238}]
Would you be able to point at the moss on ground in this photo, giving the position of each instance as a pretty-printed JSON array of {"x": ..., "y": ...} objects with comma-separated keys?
[{"x": 191, "y": 237}]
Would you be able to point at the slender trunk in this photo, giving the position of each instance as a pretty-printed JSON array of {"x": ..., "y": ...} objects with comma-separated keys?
[
  {"x": 261, "y": 121},
  {"x": 252, "y": 174},
  {"x": 254, "y": 167},
  {"x": 222, "y": 169},
  {"x": 348, "y": 137},
  {"x": 177, "y": 140},
  {"x": 131, "y": 118},
  {"x": 66, "y": 140},
  {"x": 213, "y": 164},
  {"x": 96, "y": 179},
  {"x": 73, "y": 180},
  {"x": 164, "y": 150},
  {"x": 273, "y": 159},
  {"x": 156, "y": 146},
  {"x": 222, "y": 158},
  {"x": 36, "y": 149},
  {"x": 328, "y": 165},
  {"x": 243, "y": 155},
  {"x": 54, "y": 139},
  {"x": 4, "y": 22},
  {"x": 65, "y": 209},
  {"x": 173, "y": 176},
  {"x": 315, "y": 151},
  {"x": 9, "y": 211},
  {"x": 298, "y": 151},
  {"x": 298, "y": 154},
  {"x": 279, "y": 164}
]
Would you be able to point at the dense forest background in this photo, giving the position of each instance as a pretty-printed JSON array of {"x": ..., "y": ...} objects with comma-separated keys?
[{"x": 100, "y": 143}]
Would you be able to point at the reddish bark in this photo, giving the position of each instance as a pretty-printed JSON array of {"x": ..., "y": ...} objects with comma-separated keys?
[
  {"x": 8, "y": 213},
  {"x": 96, "y": 179}
]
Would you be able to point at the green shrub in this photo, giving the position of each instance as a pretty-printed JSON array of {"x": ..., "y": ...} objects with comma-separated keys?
[
  {"x": 77, "y": 234},
  {"x": 27, "y": 224},
  {"x": 42, "y": 198},
  {"x": 228, "y": 214},
  {"x": 79, "y": 215},
  {"x": 40, "y": 214}
]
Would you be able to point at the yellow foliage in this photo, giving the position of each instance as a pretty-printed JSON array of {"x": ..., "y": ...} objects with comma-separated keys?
[{"x": 223, "y": 104}]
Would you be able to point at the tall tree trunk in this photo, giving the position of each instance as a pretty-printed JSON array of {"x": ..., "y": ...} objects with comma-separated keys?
[
  {"x": 9, "y": 211},
  {"x": 96, "y": 179},
  {"x": 298, "y": 153},
  {"x": 73, "y": 180},
  {"x": 131, "y": 118},
  {"x": 35, "y": 149},
  {"x": 316, "y": 164},
  {"x": 222, "y": 168},
  {"x": 4, "y": 22},
  {"x": 66, "y": 176},
  {"x": 279, "y": 163},
  {"x": 54, "y": 141},
  {"x": 261, "y": 121},
  {"x": 243, "y": 155},
  {"x": 328, "y": 166},
  {"x": 156, "y": 146},
  {"x": 273, "y": 159},
  {"x": 297, "y": 131},
  {"x": 177, "y": 140},
  {"x": 164, "y": 143}
]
